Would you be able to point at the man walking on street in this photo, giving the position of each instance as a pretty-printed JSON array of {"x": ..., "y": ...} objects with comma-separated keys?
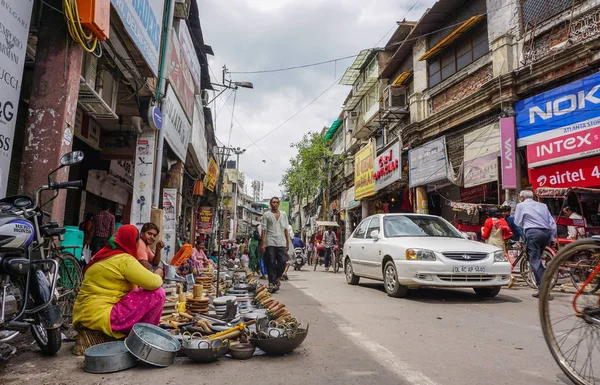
[
  {"x": 540, "y": 230},
  {"x": 104, "y": 228},
  {"x": 329, "y": 241},
  {"x": 275, "y": 242}
]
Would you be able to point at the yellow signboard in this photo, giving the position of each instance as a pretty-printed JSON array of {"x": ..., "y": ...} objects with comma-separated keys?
[
  {"x": 210, "y": 179},
  {"x": 364, "y": 183}
]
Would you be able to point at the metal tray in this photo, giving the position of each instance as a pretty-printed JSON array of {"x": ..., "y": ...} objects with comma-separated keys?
[{"x": 109, "y": 357}]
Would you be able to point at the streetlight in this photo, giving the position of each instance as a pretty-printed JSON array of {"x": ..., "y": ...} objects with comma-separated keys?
[{"x": 237, "y": 152}]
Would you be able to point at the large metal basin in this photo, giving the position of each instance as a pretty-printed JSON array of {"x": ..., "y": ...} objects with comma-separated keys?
[
  {"x": 280, "y": 345},
  {"x": 205, "y": 351},
  {"x": 109, "y": 357},
  {"x": 152, "y": 345}
]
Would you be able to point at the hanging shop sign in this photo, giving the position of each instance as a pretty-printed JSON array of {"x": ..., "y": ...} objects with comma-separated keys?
[
  {"x": 482, "y": 149},
  {"x": 577, "y": 173},
  {"x": 177, "y": 127},
  {"x": 428, "y": 163},
  {"x": 198, "y": 138},
  {"x": 117, "y": 147},
  {"x": 14, "y": 30},
  {"x": 206, "y": 220},
  {"x": 142, "y": 20},
  {"x": 508, "y": 158},
  {"x": 181, "y": 80},
  {"x": 122, "y": 170},
  {"x": 386, "y": 169},
  {"x": 87, "y": 130},
  {"x": 576, "y": 145},
  {"x": 343, "y": 200},
  {"x": 169, "y": 203},
  {"x": 559, "y": 113},
  {"x": 143, "y": 179},
  {"x": 189, "y": 53},
  {"x": 364, "y": 183},
  {"x": 210, "y": 179}
]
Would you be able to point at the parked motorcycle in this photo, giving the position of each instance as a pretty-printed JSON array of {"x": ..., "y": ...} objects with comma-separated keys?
[
  {"x": 299, "y": 258},
  {"x": 27, "y": 278}
]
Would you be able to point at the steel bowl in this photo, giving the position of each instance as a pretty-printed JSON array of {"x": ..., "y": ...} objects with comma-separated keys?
[
  {"x": 280, "y": 345},
  {"x": 152, "y": 345},
  {"x": 206, "y": 352},
  {"x": 108, "y": 357},
  {"x": 242, "y": 351}
]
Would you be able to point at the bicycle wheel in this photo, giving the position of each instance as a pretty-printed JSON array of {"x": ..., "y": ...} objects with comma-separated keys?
[
  {"x": 579, "y": 270},
  {"x": 68, "y": 283},
  {"x": 527, "y": 273},
  {"x": 572, "y": 337},
  {"x": 336, "y": 264}
]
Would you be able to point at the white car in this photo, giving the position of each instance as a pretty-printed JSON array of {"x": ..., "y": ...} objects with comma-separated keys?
[{"x": 413, "y": 250}]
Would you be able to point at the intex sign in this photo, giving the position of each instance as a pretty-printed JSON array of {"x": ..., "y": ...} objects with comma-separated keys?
[
  {"x": 579, "y": 173},
  {"x": 567, "y": 147}
]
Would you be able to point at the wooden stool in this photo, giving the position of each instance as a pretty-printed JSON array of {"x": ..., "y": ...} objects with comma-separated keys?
[{"x": 87, "y": 338}]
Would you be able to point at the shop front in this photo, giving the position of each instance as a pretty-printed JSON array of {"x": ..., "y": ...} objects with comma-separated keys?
[{"x": 391, "y": 192}]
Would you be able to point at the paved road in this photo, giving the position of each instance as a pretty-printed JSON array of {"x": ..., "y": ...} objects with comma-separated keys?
[{"x": 358, "y": 335}]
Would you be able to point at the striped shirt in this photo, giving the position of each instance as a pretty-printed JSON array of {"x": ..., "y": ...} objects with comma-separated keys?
[{"x": 104, "y": 224}]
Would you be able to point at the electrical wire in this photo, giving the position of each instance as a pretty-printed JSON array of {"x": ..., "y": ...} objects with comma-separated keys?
[
  {"x": 391, "y": 29},
  {"x": 76, "y": 31},
  {"x": 294, "y": 67}
]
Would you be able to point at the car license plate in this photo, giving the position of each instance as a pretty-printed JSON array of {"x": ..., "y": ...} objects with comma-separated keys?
[{"x": 469, "y": 269}]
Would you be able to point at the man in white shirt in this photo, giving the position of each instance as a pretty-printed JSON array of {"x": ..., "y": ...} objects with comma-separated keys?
[
  {"x": 275, "y": 242},
  {"x": 329, "y": 241},
  {"x": 575, "y": 232}
]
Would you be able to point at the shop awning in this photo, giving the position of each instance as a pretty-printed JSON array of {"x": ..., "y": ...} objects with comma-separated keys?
[
  {"x": 400, "y": 79},
  {"x": 327, "y": 223},
  {"x": 458, "y": 32},
  {"x": 333, "y": 129},
  {"x": 353, "y": 72}
]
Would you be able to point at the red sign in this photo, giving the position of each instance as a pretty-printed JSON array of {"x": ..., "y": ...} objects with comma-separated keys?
[
  {"x": 475, "y": 194},
  {"x": 567, "y": 147},
  {"x": 205, "y": 223},
  {"x": 579, "y": 173}
]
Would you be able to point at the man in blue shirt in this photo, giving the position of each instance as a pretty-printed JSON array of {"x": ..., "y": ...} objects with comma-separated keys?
[
  {"x": 540, "y": 230},
  {"x": 297, "y": 241},
  {"x": 518, "y": 234}
]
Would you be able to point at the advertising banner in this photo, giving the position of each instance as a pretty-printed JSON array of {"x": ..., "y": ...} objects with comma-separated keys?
[
  {"x": 181, "y": 80},
  {"x": 573, "y": 108},
  {"x": 122, "y": 170},
  {"x": 578, "y": 173},
  {"x": 206, "y": 218},
  {"x": 143, "y": 21},
  {"x": 169, "y": 203},
  {"x": 198, "y": 138},
  {"x": 508, "y": 148},
  {"x": 14, "y": 28},
  {"x": 177, "y": 128},
  {"x": 189, "y": 53},
  {"x": 143, "y": 179},
  {"x": 428, "y": 163},
  {"x": 387, "y": 166},
  {"x": 210, "y": 179},
  {"x": 482, "y": 149},
  {"x": 576, "y": 145},
  {"x": 364, "y": 183}
]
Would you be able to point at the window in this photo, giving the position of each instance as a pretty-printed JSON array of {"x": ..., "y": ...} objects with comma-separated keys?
[
  {"x": 374, "y": 225},
  {"x": 458, "y": 56},
  {"x": 418, "y": 226},
  {"x": 361, "y": 229}
]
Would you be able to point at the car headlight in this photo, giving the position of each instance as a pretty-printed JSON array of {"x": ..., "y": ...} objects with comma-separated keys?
[
  {"x": 420, "y": 255},
  {"x": 500, "y": 256}
]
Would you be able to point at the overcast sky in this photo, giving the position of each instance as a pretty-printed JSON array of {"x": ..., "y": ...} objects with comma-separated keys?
[{"x": 252, "y": 35}]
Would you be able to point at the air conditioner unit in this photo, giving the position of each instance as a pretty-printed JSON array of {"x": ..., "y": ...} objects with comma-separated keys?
[
  {"x": 98, "y": 90},
  {"x": 395, "y": 97}
]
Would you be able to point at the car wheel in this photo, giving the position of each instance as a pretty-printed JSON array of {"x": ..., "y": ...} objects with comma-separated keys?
[
  {"x": 351, "y": 279},
  {"x": 487, "y": 292},
  {"x": 393, "y": 288}
]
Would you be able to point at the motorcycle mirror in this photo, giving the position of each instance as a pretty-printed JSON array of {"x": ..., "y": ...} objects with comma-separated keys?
[{"x": 71, "y": 158}]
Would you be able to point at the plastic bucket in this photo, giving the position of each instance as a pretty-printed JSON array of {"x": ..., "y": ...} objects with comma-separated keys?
[{"x": 73, "y": 241}]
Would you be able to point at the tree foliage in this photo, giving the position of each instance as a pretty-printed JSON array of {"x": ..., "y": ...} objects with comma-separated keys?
[{"x": 308, "y": 169}]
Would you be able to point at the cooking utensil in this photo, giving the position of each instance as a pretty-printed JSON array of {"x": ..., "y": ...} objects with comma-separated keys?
[
  {"x": 108, "y": 357},
  {"x": 281, "y": 345},
  {"x": 242, "y": 351},
  {"x": 152, "y": 345},
  {"x": 207, "y": 351}
]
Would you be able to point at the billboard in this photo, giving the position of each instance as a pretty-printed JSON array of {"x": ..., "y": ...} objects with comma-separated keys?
[
  {"x": 364, "y": 182},
  {"x": 428, "y": 163},
  {"x": 387, "y": 166},
  {"x": 482, "y": 149}
]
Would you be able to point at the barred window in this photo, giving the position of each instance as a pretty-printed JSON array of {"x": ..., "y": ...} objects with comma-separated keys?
[{"x": 535, "y": 11}]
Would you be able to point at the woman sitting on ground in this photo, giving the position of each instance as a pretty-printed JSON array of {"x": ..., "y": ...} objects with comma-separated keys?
[{"x": 117, "y": 291}]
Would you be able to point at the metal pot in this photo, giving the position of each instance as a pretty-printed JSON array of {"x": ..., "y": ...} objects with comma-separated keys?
[
  {"x": 152, "y": 345},
  {"x": 205, "y": 351},
  {"x": 242, "y": 351},
  {"x": 109, "y": 357},
  {"x": 280, "y": 345}
]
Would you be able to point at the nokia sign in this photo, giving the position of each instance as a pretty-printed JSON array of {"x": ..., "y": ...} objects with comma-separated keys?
[{"x": 562, "y": 111}]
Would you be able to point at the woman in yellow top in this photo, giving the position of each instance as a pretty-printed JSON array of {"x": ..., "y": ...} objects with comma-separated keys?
[{"x": 117, "y": 291}]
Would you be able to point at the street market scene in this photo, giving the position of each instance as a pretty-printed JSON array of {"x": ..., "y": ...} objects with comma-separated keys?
[{"x": 300, "y": 192}]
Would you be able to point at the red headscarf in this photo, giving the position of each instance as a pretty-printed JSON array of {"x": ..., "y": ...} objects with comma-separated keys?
[{"x": 124, "y": 241}]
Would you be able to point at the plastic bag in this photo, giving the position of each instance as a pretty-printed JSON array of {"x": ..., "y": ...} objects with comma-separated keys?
[{"x": 86, "y": 254}]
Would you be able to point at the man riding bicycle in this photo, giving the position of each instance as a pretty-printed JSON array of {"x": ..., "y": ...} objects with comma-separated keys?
[{"x": 329, "y": 242}]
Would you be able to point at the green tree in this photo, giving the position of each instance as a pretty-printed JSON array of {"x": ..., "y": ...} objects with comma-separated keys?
[{"x": 309, "y": 168}]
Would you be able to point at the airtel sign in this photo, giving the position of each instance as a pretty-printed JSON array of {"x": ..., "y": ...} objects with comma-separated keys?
[
  {"x": 566, "y": 147},
  {"x": 579, "y": 173}
]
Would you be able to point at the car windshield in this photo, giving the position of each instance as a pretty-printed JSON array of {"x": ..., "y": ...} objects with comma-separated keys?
[{"x": 418, "y": 226}]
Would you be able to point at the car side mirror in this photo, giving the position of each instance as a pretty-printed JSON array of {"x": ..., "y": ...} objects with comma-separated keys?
[{"x": 374, "y": 234}]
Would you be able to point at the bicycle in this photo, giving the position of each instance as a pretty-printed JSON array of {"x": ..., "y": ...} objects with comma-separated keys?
[
  {"x": 571, "y": 333},
  {"x": 523, "y": 262},
  {"x": 337, "y": 261}
]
